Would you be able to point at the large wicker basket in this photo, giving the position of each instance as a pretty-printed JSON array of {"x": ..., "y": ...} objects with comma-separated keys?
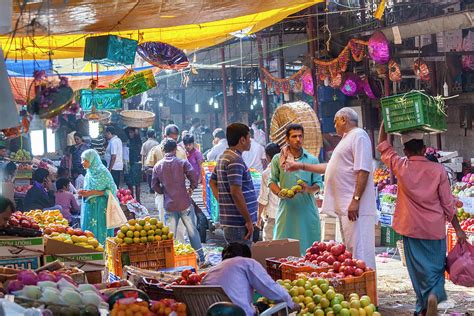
[
  {"x": 137, "y": 118},
  {"x": 300, "y": 113}
]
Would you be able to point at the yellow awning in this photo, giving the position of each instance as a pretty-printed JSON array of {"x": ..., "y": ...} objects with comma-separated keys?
[{"x": 190, "y": 36}]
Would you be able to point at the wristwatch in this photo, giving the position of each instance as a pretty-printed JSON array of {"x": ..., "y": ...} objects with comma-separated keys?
[{"x": 356, "y": 197}]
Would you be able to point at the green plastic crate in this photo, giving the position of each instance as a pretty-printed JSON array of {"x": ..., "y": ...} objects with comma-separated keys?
[
  {"x": 389, "y": 237},
  {"x": 412, "y": 111}
]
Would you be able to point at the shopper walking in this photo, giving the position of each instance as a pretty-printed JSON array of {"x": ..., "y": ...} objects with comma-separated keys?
[
  {"x": 219, "y": 145},
  {"x": 114, "y": 154},
  {"x": 297, "y": 216},
  {"x": 169, "y": 178},
  {"x": 232, "y": 186},
  {"x": 255, "y": 158},
  {"x": 134, "y": 176},
  {"x": 196, "y": 131},
  {"x": 424, "y": 205},
  {"x": 195, "y": 157},
  {"x": 77, "y": 151}
]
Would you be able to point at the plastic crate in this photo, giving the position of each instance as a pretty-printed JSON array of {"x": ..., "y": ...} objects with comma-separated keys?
[
  {"x": 273, "y": 268},
  {"x": 366, "y": 284},
  {"x": 152, "y": 288},
  {"x": 412, "y": 111},
  {"x": 290, "y": 272},
  {"x": 389, "y": 237},
  {"x": 149, "y": 256},
  {"x": 189, "y": 260}
]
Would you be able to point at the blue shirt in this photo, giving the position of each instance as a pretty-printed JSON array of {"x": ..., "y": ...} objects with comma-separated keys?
[{"x": 231, "y": 170}]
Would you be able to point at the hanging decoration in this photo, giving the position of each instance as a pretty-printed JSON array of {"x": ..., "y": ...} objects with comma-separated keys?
[
  {"x": 294, "y": 82},
  {"x": 394, "y": 72},
  {"x": 379, "y": 48},
  {"x": 110, "y": 50},
  {"x": 332, "y": 68},
  {"x": 421, "y": 70},
  {"x": 380, "y": 10},
  {"x": 352, "y": 84},
  {"x": 163, "y": 55},
  {"x": 133, "y": 83},
  {"x": 336, "y": 81},
  {"x": 372, "y": 88}
]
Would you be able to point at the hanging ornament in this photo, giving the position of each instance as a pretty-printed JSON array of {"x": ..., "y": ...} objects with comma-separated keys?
[
  {"x": 163, "y": 55},
  {"x": 326, "y": 81},
  {"x": 307, "y": 81},
  {"x": 421, "y": 70},
  {"x": 394, "y": 72},
  {"x": 372, "y": 88},
  {"x": 336, "y": 81},
  {"x": 352, "y": 84},
  {"x": 379, "y": 49}
]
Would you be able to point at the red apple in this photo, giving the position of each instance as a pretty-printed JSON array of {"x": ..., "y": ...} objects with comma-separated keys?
[
  {"x": 330, "y": 260},
  {"x": 360, "y": 264},
  {"x": 349, "y": 271},
  {"x": 341, "y": 258},
  {"x": 348, "y": 254},
  {"x": 321, "y": 247},
  {"x": 186, "y": 273},
  {"x": 358, "y": 272},
  {"x": 336, "y": 266},
  {"x": 348, "y": 262},
  {"x": 336, "y": 250}
]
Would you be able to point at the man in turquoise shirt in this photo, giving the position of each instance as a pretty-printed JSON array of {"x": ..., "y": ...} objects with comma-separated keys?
[{"x": 297, "y": 216}]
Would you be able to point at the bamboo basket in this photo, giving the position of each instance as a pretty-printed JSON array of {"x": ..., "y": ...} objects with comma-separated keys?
[
  {"x": 137, "y": 118},
  {"x": 300, "y": 113}
]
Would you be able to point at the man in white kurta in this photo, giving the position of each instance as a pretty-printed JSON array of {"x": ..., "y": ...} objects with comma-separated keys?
[{"x": 352, "y": 155}]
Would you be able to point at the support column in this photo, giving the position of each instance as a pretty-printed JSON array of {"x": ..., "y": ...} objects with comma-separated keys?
[
  {"x": 183, "y": 106},
  {"x": 263, "y": 89},
  {"x": 281, "y": 67},
  {"x": 224, "y": 86}
]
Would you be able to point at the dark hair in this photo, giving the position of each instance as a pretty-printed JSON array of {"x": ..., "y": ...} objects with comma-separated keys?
[
  {"x": 414, "y": 146},
  {"x": 188, "y": 139},
  {"x": 171, "y": 129},
  {"x": 61, "y": 171},
  {"x": 77, "y": 134},
  {"x": 432, "y": 157},
  {"x": 195, "y": 120},
  {"x": 76, "y": 171},
  {"x": 40, "y": 175},
  {"x": 6, "y": 203},
  {"x": 272, "y": 149},
  {"x": 294, "y": 127},
  {"x": 235, "y": 132},
  {"x": 10, "y": 168},
  {"x": 170, "y": 145},
  {"x": 62, "y": 183},
  {"x": 111, "y": 130},
  {"x": 219, "y": 134},
  {"x": 150, "y": 133},
  {"x": 235, "y": 249}
]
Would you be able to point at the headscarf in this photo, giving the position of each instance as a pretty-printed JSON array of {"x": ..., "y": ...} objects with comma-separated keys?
[{"x": 98, "y": 176}]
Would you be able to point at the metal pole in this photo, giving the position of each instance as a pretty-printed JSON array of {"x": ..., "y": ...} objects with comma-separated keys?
[
  {"x": 263, "y": 89},
  {"x": 224, "y": 86}
]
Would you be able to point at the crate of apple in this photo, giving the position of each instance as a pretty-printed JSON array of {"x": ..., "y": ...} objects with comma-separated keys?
[
  {"x": 74, "y": 236},
  {"x": 324, "y": 254},
  {"x": 189, "y": 277},
  {"x": 125, "y": 196},
  {"x": 18, "y": 219}
]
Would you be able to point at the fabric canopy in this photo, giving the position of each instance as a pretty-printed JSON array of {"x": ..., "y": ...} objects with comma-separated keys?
[{"x": 258, "y": 15}]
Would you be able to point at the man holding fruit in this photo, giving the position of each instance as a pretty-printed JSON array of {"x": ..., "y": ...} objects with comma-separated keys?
[{"x": 297, "y": 215}]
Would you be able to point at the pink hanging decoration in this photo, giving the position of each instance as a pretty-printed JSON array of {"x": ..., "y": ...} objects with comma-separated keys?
[
  {"x": 372, "y": 88},
  {"x": 307, "y": 81},
  {"x": 285, "y": 86},
  {"x": 336, "y": 81},
  {"x": 352, "y": 84},
  {"x": 379, "y": 49}
]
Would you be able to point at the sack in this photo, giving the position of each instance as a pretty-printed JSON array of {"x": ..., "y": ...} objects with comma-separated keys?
[
  {"x": 115, "y": 216},
  {"x": 460, "y": 264}
]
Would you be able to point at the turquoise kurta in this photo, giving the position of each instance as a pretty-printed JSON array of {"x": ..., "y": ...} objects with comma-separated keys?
[
  {"x": 94, "y": 208},
  {"x": 297, "y": 218}
]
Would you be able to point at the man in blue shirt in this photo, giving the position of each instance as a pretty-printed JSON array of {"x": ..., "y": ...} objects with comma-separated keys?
[{"x": 232, "y": 185}]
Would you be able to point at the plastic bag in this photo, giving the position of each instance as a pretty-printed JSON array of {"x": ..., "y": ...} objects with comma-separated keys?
[
  {"x": 460, "y": 264},
  {"x": 115, "y": 216}
]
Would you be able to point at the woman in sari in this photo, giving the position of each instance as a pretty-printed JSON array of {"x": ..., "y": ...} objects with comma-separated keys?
[{"x": 98, "y": 182}]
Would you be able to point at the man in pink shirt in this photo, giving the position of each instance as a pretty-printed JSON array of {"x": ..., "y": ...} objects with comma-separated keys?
[{"x": 424, "y": 204}]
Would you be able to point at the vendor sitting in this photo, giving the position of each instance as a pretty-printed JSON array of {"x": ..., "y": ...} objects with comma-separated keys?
[
  {"x": 7, "y": 208},
  {"x": 66, "y": 199},
  {"x": 40, "y": 196},
  {"x": 239, "y": 275}
]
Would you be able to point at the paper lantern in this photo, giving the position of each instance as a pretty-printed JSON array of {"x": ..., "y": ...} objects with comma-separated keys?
[
  {"x": 110, "y": 50},
  {"x": 372, "y": 88},
  {"x": 307, "y": 81},
  {"x": 135, "y": 83},
  {"x": 352, "y": 84},
  {"x": 163, "y": 55},
  {"x": 101, "y": 99},
  {"x": 379, "y": 49}
]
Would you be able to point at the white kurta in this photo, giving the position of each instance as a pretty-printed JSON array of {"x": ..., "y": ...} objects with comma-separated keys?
[{"x": 352, "y": 154}]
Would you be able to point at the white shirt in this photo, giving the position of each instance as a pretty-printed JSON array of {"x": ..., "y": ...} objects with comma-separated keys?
[
  {"x": 352, "y": 154},
  {"x": 266, "y": 196},
  {"x": 217, "y": 151},
  {"x": 253, "y": 157},
  {"x": 79, "y": 184},
  {"x": 114, "y": 148},
  {"x": 259, "y": 135}
]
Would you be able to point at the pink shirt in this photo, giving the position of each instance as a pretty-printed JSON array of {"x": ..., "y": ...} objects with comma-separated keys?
[
  {"x": 424, "y": 199},
  {"x": 68, "y": 203}
]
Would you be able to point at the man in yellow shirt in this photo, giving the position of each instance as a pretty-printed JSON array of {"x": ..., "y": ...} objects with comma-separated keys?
[{"x": 157, "y": 153}]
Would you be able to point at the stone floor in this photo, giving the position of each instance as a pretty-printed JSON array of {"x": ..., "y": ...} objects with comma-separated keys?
[{"x": 396, "y": 296}]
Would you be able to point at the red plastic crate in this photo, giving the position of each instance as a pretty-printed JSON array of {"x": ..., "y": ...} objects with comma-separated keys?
[{"x": 274, "y": 268}]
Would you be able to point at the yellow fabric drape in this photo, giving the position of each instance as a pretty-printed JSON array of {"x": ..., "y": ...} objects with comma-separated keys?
[{"x": 190, "y": 37}]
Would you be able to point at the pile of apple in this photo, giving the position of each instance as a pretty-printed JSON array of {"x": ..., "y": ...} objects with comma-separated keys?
[
  {"x": 73, "y": 236},
  {"x": 125, "y": 196},
  {"x": 47, "y": 218},
  {"x": 317, "y": 297},
  {"x": 143, "y": 230},
  {"x": 189, "y": 277},
  {"x": 18, "y": 219},
  {"x": 468, "y": 225},
  {"x": 22, "y": 188}
]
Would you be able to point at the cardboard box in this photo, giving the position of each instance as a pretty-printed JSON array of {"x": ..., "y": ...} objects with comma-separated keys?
[
  {"x": 275, "y": 248},
  {"x": 94, "y": 261},
  {"x": 445, "y": 156},
  {"x": 455, "y": 167},
  {"x": 456, "y": 160},
  {"x": 18, "y": 246},
  {"x": 31, "y": 263},
  {"x": 54, "y": 247}
]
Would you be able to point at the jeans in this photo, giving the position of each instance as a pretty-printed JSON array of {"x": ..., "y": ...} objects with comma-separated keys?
[
  {"x": 236, "y": 234},
  {"x": 116, "y": 176},
  {"x": 187, "y": 216}
]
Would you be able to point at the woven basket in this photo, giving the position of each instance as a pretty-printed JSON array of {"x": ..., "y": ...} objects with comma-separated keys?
[
  {"x": 300, "y": 113},
  {"x": 137, "y": 118},
  {"x": 401, "y": 250}
]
